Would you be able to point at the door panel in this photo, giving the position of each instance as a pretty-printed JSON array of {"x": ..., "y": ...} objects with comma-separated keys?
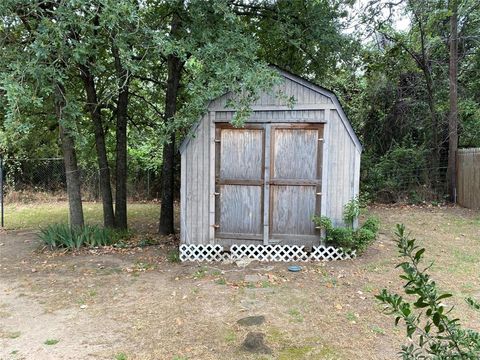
[
  {"x": 295, "y": 154},
  {"x": 295, "y": 180},
  {"x": 239, "y": 182},
  {"x": 241, "y": 209},
  {"x": 292, "y": 210},
  {"x": 242, "y": 154}
]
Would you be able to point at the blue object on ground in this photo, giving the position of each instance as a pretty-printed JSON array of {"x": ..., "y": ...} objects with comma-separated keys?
[{"x": 294, "y": 268}]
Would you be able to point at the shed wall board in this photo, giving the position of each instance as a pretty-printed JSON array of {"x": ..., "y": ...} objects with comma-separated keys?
[
  {"x": 273, "y": 116},
  {"x": 287, "y": 88},
  {"x": 195, "y": 193},
  {"x": 342, "y": 167}
]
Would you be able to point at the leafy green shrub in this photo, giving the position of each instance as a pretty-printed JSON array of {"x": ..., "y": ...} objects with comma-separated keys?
[
  {"x": 429, "y": 326},
  {"x": 347, "y": 238},
  {"x": 362, "y": 238},
  {"x": 372, "y": 223},
  {"x": 63, "y": 236},
  {"x": 351, "y": 211}
]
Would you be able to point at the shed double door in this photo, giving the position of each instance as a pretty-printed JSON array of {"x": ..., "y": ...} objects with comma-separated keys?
[{"x": 268, "y": 182}]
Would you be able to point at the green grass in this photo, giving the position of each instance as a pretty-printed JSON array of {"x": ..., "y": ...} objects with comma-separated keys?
[
  {"x": 200, "y": 273},
  {"x": 121, "y": 356},
  {"x": 377, "y": 330},
  {"x": 351, "y": 316},
  {"x": 230, "y": 336},
  {"x": 173, "y": 256},
  {"x": 34, "y": 216},
  {"x": 221, "y": 281},
  {"x": 14, "y": 334},
  {"x": 296, "y": 315},
  {"x": 294, "y": 353},
  {"x": 51, "y": 342}
]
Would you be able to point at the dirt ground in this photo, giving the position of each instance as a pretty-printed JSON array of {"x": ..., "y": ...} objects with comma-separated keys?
[{"x": 134, "y": 304}]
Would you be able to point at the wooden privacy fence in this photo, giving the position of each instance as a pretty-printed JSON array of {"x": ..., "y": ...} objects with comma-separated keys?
[{"x": 468, "y": 178}]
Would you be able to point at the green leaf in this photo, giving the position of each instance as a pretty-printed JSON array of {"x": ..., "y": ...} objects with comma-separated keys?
[{"x": 418, "y": 254}]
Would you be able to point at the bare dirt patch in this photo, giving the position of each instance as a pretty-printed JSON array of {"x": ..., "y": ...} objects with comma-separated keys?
[{"x": 136, "y": 304}]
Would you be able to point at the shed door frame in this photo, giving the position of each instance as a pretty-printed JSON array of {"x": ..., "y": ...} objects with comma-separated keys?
[{"x": 268, "y": 179}]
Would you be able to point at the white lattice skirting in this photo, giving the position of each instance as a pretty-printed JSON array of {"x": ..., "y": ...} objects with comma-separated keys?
[{"x": 287, "y": 253}]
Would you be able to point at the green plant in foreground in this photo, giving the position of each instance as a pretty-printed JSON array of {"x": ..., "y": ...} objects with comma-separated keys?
[
  {"x": 72, "y": 238},
  {"x": 434, "y": 333}
]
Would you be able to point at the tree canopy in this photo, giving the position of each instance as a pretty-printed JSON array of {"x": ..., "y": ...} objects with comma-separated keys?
[{"x": 116, "y": 83}]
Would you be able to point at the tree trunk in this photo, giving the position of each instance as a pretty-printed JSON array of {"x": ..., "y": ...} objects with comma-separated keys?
[
  {"x": 71, "y": 168},
  {"x": 121, "y": 148},
  {"x": 175, "y": 67},
  {"x": 453, "y": 115},
  {"x": 435, "y": 144},
  {"x": 96, "y": 116}
]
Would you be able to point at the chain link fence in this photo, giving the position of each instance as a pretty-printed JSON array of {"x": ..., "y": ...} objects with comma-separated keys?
[{"x": 34, "y": 180}]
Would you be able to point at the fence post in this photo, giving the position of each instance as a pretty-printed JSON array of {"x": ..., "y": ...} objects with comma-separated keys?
[{"x": 1, "y": 191}]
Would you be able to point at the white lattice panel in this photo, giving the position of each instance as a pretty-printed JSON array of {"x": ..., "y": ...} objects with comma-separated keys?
[
  {"x": 287, "y": 253},
  {"x": 321, "y": 252},
  {"x": 269, "y": 252},
  {"x": 201, "y": 252}
]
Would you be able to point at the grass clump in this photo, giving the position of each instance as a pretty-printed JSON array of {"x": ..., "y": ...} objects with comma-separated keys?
[
  {"x": 121, "y": 356},
  {"x": 51, "y": 342},
  {"x": 62, "y": 236},
  {"x": 173, "y": 256}
]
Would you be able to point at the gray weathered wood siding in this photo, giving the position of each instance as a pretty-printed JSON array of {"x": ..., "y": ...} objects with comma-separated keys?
[
  {"x": 195, "y": 194},
  {"x": 468, "y": 178},
  {"x": 341, "y": 170},
  {"x": 287, "y": 89},
  {"x": 340, "y": 167}
]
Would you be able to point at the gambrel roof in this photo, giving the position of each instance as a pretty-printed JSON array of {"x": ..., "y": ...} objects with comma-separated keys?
[{"x": 312, "y": 97}]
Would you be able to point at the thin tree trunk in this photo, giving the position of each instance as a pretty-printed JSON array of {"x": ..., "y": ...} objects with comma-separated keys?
[
  {"x": 435, "y": 151},
  {"x": 453, "y": 115},
  {"x": 175, "y": 67},
  {"x": 71, "y": 167},
  {"x": 105, "y": 186},
  {"x": 121, "y": 148}
]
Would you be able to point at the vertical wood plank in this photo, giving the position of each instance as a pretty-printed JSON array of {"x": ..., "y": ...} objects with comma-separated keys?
[
  {"x": 266, "y": 187},
  {"x": 211, "y": 177},
  {"x": 183, "y": 189},
  {"x": 205, "y": 180},
  {"x": 189, "y": 201}
]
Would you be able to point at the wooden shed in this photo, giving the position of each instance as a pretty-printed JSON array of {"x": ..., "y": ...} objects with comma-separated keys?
[{"x": 262, "y": 183}]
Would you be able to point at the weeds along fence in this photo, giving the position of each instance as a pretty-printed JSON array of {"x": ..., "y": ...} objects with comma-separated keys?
[
  {"x": 31, "y": 180},
  {"x": 405, "y": 185},
  {"x": 468, "y": 178}
]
